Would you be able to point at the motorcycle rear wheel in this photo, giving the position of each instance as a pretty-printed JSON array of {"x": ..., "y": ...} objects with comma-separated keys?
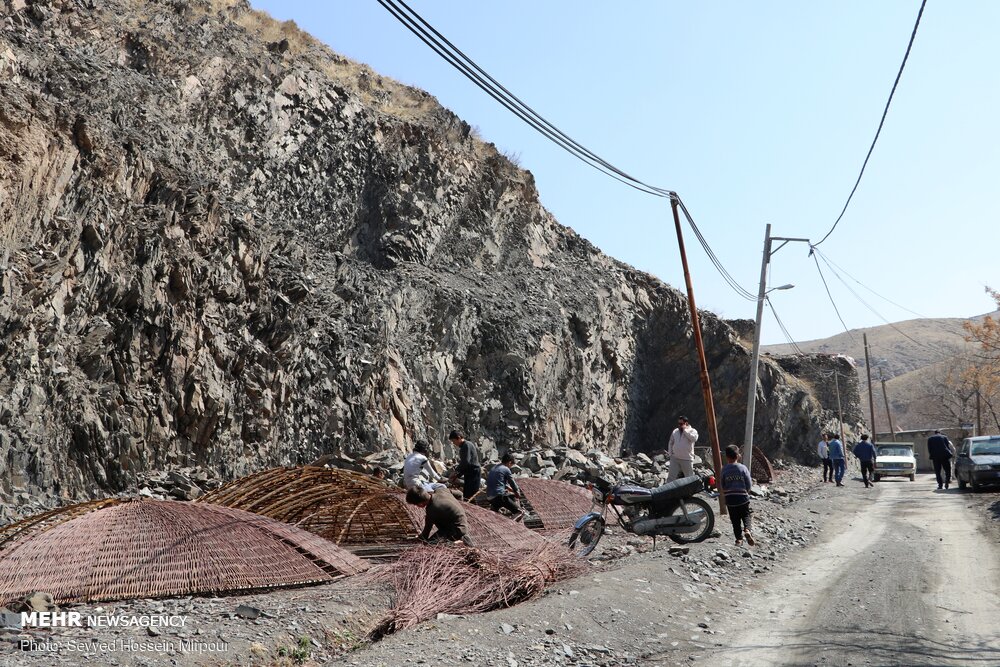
[
  {"x": 700, "y": 511},
  {"x": 585, "y": 538}
]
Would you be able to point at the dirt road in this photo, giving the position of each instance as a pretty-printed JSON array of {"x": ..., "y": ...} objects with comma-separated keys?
[{"x": 905, "y": 575}]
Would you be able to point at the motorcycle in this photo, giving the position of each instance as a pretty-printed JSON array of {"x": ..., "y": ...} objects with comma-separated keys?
[{"x": 672, "y": 510}]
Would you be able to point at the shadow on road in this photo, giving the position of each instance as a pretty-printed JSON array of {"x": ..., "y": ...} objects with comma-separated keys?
[{"x": 995, "y": 510}]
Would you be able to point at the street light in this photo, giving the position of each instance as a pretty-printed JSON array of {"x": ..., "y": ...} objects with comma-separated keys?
[{"x": 752, "y": 389}]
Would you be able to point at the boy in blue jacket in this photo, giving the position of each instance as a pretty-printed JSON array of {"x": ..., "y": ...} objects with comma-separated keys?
[{"x": 736, "y": 484}]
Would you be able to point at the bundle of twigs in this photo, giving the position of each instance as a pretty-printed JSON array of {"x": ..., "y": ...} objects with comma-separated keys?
[{"x": 430, "y": 580}]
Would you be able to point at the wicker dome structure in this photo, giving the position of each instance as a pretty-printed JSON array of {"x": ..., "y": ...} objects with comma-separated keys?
[
  {"x": 366, "y": 516},
  {"x": 558, "y": 505},
  {"x": 377, "y": 525},
  {"x": 289, "y": 494},
  {"x": 159, "y": 548}
]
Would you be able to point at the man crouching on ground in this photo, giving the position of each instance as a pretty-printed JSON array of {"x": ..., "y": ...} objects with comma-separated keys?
[
  {"x": 443, "y": 512},
  {"x": 736, "y": 484},
  {"x": 501, "y": 489}
]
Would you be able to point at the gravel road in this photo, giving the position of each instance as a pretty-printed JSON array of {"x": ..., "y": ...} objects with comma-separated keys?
[
  {"x": 906, "y": 575},
  {"x": 899, "y": 574}
]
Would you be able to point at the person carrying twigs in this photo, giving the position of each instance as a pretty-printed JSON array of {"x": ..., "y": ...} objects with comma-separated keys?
[
  {"x": 501, "y": 489},
  {"x": 444, "y": 512}
]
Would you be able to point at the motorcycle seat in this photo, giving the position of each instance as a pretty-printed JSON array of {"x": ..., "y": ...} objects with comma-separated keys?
[{"x": 679, "y": 488}]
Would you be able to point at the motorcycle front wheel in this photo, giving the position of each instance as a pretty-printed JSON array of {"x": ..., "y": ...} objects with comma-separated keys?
[
  {"x": 701, "y": 513},
  {"x": 585, "y": 538}
]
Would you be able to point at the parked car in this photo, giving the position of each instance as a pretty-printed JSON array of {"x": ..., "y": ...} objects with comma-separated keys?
[
  {"x": 895, "y": 459},
  {"x": 978, "y": 462}
]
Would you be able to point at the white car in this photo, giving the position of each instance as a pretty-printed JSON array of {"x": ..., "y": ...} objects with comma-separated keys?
[{"x": 895, "y": 459}]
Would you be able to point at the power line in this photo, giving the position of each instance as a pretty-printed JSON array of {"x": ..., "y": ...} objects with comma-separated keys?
[
  {"x": 739, "y": 289},
  {"x": 885, "y": 112},
  {"x": 781, "y": 325},
  {"x": 834, "y": 264},
  {"x": 834, "y": 303},
  {"x": 877, "y": 314},
  {"x": 482, "y": 79},
  {"x": 471, "y": 70}
]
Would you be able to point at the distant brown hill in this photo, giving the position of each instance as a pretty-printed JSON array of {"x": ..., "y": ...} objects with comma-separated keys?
[{"x": 910, "y": 355}]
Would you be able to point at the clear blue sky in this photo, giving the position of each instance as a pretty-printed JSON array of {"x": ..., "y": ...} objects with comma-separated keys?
[{"x": 752, "y": 112}]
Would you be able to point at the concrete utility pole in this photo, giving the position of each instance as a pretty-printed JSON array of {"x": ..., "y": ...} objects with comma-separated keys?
[
  {"x": 755, "y": 360},
  {"x": 868, "y": 369},
  {"x": 706, "y": 383}
]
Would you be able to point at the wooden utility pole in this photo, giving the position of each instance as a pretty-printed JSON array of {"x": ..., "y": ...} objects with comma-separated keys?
[
  {"x": 888, "y": 411},
  {"x": 871, "y": 399},
  {"x": 840, "y": 410},
  {"x": 706, "y": 383},
  {"x": 979, "y": 413}
]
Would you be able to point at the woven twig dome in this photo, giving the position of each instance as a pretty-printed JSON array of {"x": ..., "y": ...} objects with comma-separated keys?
[
  {"x": 356, "y": 511},
  {"x": 159, "y": 548},
  {"x": 379, "y": 524},
  {"x": 557, "y": 504},
  {"x": 289, "y": 494}
]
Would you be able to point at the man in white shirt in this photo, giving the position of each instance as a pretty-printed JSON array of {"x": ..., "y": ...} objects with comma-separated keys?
[
  {"x": 418, "y": 471},
  {"x": 823, "y": 450},
  {"x": 681, "y": 450}
]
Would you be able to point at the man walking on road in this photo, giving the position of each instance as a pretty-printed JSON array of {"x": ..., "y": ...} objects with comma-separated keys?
[
  {"x": 865, "y": 451},
  {"x": 837, "y": 458},
  {"x": 681, "y": 450},
  {"x": 736, "y": 485},
  {"x": 941, "y": 451},
  {"x": 824, "y": 455}
]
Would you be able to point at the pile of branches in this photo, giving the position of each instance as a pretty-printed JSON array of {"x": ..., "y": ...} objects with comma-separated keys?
[{"x": 430, "y": 580}]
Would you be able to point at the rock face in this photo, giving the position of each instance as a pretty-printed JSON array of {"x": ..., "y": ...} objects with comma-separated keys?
[{"x": 223, "y": 246}]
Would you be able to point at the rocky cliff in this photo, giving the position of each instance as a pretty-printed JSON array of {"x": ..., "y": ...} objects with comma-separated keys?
[{"x": 223, "y": 245}]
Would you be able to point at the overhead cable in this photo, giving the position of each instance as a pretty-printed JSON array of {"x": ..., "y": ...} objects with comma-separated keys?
[
  {"x": 471, "y": 70},
  {"x": 885, "y": 112},
  {"x": 876, "y": 313},
  {"x": 834, "y": 303},
  {"x": 739, "y": 289},
  {"x": 482, "y": 79},
  {"x": 781, "y": 325},
  {"x": 834, "y": 264}
]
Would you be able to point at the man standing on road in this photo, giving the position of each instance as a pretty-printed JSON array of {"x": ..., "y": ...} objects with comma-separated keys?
[
  {"x": 865, "y": 451},
  {"x": 824, "y": 455},
  {"x": 941, "y": 453},
  {"x": 469, "y": 466},
  {"x": 681, "y": 450},
  {"x": 837, "y": 458}
]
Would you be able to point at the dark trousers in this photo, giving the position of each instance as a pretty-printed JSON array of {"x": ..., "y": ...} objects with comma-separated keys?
[
  {"x": 740, "y": 516},
  {"x": 827, "y": 470},
  {"x": 942, "y": 470},
  {"x": 867, "y": 471},
  {"x": 473, "y": 479},
  {"x": 508, "y": 502}
]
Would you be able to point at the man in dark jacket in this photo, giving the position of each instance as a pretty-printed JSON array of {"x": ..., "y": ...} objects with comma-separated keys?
[
  {"x": 940, "y": 451},
  {"x": 469, "y": 466},
  {"x": 443, "y": 512},
  {"x": 865, "y": 451}
]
